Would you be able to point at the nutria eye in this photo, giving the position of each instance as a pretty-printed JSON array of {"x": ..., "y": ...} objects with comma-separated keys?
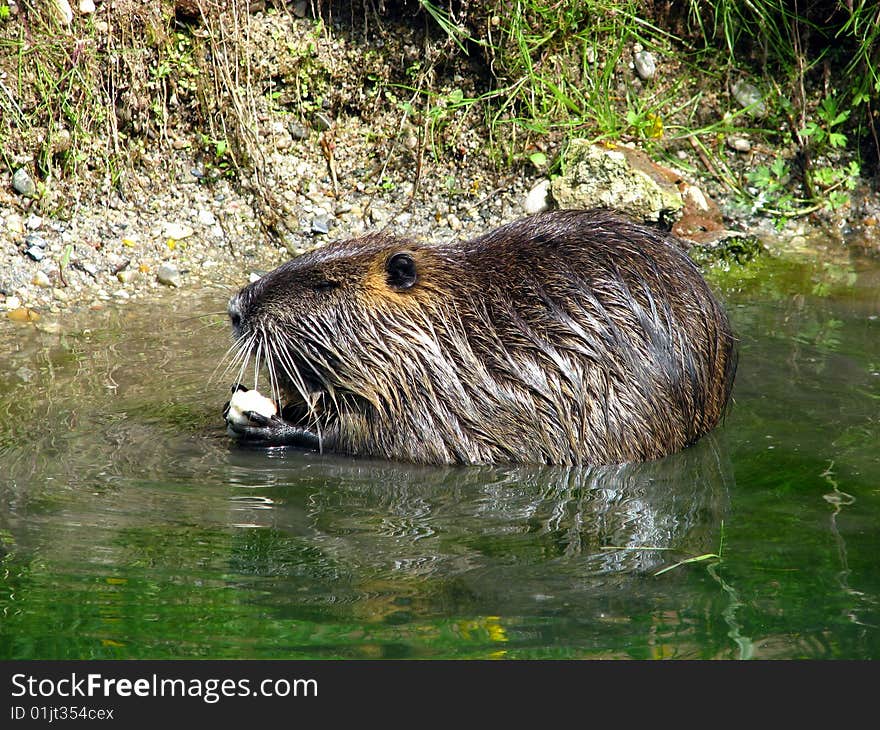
[
  {"x": 325, "y": 285},
  {"x": 401, "y": 271}
]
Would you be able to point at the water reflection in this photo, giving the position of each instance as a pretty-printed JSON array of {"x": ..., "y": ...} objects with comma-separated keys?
[{"x": 390, "y": 517}]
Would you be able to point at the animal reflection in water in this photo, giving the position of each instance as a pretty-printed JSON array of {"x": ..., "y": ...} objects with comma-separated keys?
[{"x": 546, "y": 525}]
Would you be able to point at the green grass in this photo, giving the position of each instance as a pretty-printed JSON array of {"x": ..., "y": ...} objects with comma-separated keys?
[
  {"x": 563, "y": 68},
  {"x": 535, "y": 73}
]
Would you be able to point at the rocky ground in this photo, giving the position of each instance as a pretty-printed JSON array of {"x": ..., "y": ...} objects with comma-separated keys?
[
  {"x": 174, "y": 229},
  {"x": 184, "y": 235}
]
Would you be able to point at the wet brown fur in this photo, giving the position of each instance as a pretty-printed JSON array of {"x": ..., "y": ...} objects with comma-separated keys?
[{"x": 568, "y": 337}]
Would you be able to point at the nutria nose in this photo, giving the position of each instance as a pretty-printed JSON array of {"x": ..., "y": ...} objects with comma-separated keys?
[{"x": 233, "y": 309}]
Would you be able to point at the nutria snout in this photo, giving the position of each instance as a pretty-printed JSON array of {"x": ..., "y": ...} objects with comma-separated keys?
[{"x": 569, "y": 337}]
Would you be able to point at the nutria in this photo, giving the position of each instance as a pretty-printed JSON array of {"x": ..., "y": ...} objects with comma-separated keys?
[{"x": 567, "y": 337}]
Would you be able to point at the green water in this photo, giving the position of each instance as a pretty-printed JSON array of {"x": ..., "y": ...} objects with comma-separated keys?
[{"x": 130, "y": 527}]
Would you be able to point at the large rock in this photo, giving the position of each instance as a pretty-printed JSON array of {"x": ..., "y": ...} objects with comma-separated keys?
[{"x": 617, "y": 177}]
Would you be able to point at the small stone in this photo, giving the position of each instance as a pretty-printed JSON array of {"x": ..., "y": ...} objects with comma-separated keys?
[
  {"x": 749, "y": 98},
  {"x": 739, "y": 144},
  {"x": 101, "y": 27},
  {"x": 63, "y": 11},
  {"x": 536, "y": 200},
  {"x": 36, "y": 253},
  {"x": 694, "y": 198},
  {"x": 87, "y": 7},
  {"x": 645, "y": 65},
  {"x": 321, "y": 224},
  {"x": 61, "y": 141},
  {"x": 23, "y": 314},
  {"x": 126, "y": 276},
  {"x": 300, "y": 8},
  {"x": 168, "y": 275},
  {"x": 297, "y": 130},
  {"x": 206, "y": 218},
  {"x": 35, "y": 239},
  {"x": 176, "y": 231},
  {"x": 23, "y": 184},
  {"x": 121, "y": 294},
  {"x": 59, "y": 294},
  {"x": 33, "y": 222},
  {"x": 90, "y": 269},
  {"x": 14, "y": 223},
  {"x": 454, "y": 222},
  {"x": 12, "y": 302},
  {"x": 41, "y": 279}
]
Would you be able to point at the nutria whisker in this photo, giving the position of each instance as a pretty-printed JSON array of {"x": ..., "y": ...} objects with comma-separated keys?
[{"x": 238, "y": 356}]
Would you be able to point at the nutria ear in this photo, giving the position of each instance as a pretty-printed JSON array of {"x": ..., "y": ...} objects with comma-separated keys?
[{"x": 400, "y": 270}]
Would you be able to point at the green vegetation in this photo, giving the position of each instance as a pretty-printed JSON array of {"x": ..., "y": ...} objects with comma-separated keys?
[
  {"x": 512, "y": 79},
  {"x": 803, "y": 84}
]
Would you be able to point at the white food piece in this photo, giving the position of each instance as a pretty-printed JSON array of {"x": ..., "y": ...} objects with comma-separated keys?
[{"x": 249, "y": 400}]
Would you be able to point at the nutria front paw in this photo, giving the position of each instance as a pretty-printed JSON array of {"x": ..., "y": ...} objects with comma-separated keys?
[{"x": 252, "y": 418}]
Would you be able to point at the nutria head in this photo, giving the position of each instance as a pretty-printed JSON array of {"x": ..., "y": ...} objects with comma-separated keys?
[{"x": 566, "y": 337}]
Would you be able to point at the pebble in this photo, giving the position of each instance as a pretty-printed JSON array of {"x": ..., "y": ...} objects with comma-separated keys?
[
  {"x": 206, "y": 218},
  {"x": 168, "y": 275},
  {"x": 42, "y": 280},
  {"x": 297, "y": 130},
  {"x": 177, "y": 231},
  {"x": 454, "y": 222},
  {"x": 537, "y": 199},
  {"x": 14, "y": 223},
  {"x": 748, "y": 96},
  {"x": 23, "y": 183},
  {"x": 87, "y": 7},
  {"x": 645, "y": 65},
  {"x": 63, "y": 11},
  {"x": 23, "y": 314},
  {"x": 61, "y": 142},
  {"x": 36, "y": 253},
  {"x": 321, "y": 224},
  {"x": 739, "y": 144},
  {"x": 33, "y": 222}
]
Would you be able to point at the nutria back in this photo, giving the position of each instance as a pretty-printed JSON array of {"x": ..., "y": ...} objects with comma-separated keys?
[{"x": 569, "y": 337}]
